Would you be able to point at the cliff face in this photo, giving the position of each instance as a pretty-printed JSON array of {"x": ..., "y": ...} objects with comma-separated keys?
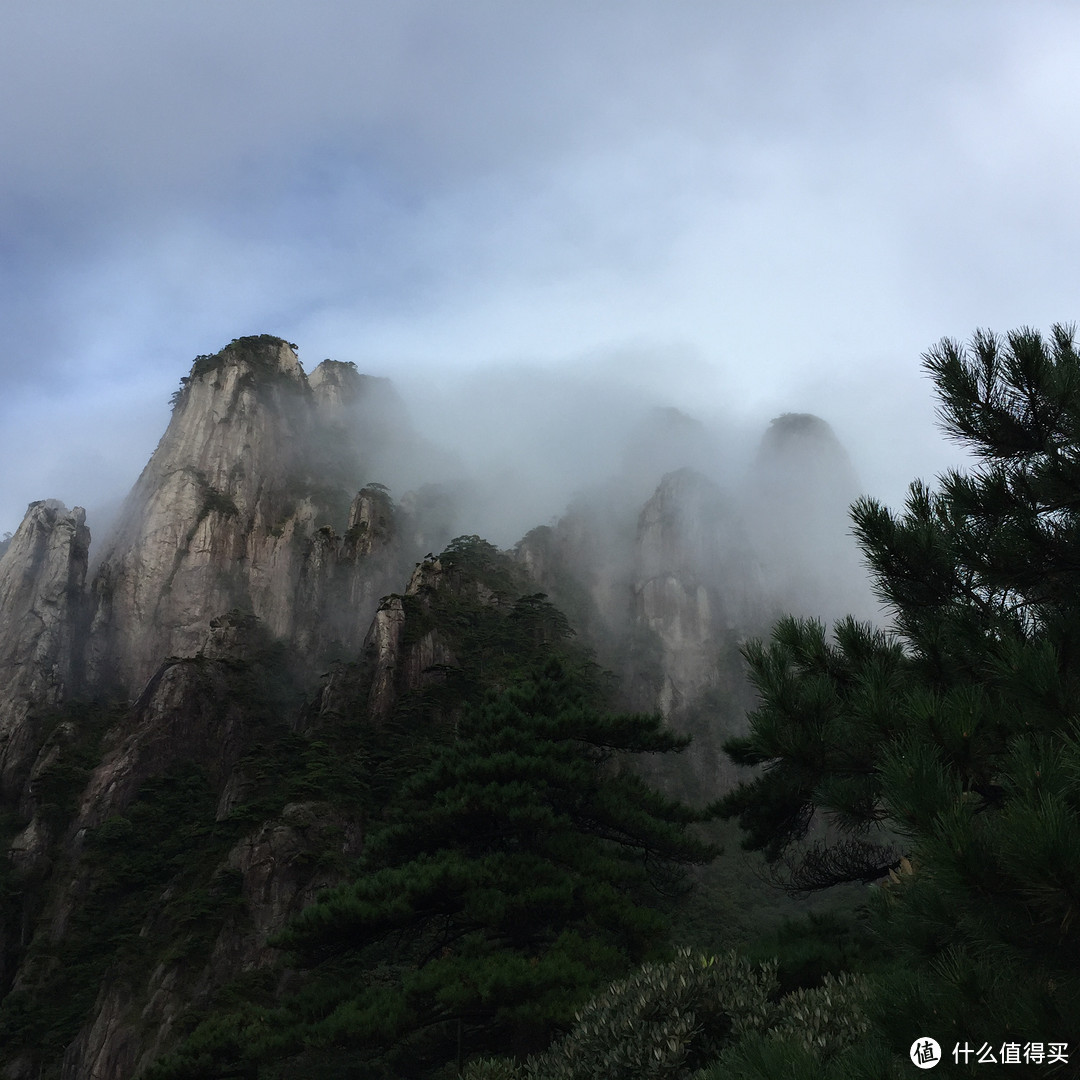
[
  {"x": 695, "y": 580},
  {"x": 218, "y": 517},
  {"x": 237, "y": 509},
  {"x": 42, "y": 575},
  {"x": 165, "y": 875},
  {"x": 220, "y": 804},
  {"x": 246, "y": 559}
]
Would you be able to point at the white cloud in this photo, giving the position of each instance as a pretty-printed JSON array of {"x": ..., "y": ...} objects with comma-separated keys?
[{"x": 801, "y": 198}]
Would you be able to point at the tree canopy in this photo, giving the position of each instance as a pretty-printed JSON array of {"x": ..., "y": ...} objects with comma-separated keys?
[
  {"x": 945, "y": 753},
  {"x": 519, "y": 869}
]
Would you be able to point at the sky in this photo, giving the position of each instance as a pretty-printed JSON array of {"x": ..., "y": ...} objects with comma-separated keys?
[{"x": 736, "y": 209}]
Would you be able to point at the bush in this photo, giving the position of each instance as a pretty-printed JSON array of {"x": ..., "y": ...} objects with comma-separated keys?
[{"x": 695, "y": 1017}]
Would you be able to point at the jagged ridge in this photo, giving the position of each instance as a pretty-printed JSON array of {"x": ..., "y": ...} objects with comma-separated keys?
[{"x": 248, "y": 559}]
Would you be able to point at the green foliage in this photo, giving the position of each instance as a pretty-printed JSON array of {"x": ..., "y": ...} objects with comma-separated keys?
[
  {"x": 491, "y": 1069},
  {"x": 214, "y": 501},
  {"x": 516, "y": 872},
  {"x": 154, "y": 887},
  {"x": 328, "y": 760},
  {"x": 70, "y": 747},
  {"x": 824, "y": 710},
  {"x": 70, "y": 737},
  {"x": 695, "y": 1017},
  {"x": 664, "y": 1021},
  {"x": 163, "y": 839},
  {"x": 15, "y": 894},
  {"x": 480, "y": 607},
  {"x": 957, "y": 732},
  {"x": 563, "y": 583},
  {"x": 252, "y": 350},
  {"x": 515, "y": 866},
  {"x": 822, "y": 944}
]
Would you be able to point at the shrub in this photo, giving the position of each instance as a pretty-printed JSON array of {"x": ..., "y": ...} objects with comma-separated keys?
[{"x": 696, "y": 1017}]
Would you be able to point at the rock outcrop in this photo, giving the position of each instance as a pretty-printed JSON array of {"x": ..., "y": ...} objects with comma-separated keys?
[
  {"x": 251, "y": 553},
  {"x": 405, "y": 646},
  {"x": 239, "y": 509},
  {"x": 219, "y": 517},
  {"x": 668, "y": 590},
  {"x": 42, "y": 601},
  {"x": 695, "y": 580},
  {"x": 200, "y": 721}
]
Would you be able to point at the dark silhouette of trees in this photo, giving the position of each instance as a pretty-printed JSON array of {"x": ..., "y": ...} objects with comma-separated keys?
[{"x": 955, "y": 736}]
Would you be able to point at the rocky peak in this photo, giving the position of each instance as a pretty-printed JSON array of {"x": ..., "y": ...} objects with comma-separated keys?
[
  {"x": 800, "y": 489},
  {"x": 694, "y": 580},
  {"x": 258, "y": 464},
  {"x": 801, "y": 447},
  {"x": 687, "y": 528},
  {"x": 258, "y": 352},
  {"x": 238, "y": 420},
  {"x": 47, "y": 540},
  {"x": 42, "y": 575},
  {"x": 336, "y": 384},
  {"x": 258, "y": 504},
  {"x": 371, "y": 520},
  {"x": 191, "y": 533}
]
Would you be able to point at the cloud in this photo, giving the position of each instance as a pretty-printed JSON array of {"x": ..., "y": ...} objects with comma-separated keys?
[{"x": 802, "y": 198}]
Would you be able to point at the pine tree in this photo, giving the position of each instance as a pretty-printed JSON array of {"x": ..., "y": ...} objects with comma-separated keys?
[
  {"x": 519, "y": 870},
  {"x": 946, "y": 753}
]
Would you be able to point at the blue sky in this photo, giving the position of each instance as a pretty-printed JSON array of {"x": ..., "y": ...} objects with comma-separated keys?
[{"x": 740, "y": 209}]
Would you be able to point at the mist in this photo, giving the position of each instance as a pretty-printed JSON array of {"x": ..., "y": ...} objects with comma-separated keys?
[
  {"x": 514, "y": 445},
  {"x": 585, "y": 445},
  {"x": 539, "y": 224}
]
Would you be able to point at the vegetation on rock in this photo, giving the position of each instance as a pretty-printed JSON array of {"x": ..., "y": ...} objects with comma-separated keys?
[
  {"x": 252, "y": 350},
  {"x": 517, "y": 868}
]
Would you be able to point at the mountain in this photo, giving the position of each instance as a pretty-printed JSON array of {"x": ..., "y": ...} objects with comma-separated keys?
[{"x": 199, "y": 718}]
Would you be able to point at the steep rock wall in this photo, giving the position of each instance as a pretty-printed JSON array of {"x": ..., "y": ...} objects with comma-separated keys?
[
  {"x": 42, "y": 576},
  {"x": 238, "y": 510},
  {"x": 212, "y": 522},
  {"x": 696, "y": 597},
  {"x": 204, "y": 716},
  {"x": 401, "y": 648}
]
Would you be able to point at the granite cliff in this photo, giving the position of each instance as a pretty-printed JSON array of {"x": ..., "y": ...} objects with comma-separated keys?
[
  {"x": 239, "y": 508},
  {"x": 42, "y": 598}
]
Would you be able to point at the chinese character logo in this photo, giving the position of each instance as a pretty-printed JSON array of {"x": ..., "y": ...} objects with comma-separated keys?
[{"x": 925, "y": 1053}]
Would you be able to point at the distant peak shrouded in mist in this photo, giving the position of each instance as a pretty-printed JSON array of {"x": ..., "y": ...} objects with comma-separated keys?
[
  {"x": 793, "y": 433},
  {"x": 798, "y": 495}
]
